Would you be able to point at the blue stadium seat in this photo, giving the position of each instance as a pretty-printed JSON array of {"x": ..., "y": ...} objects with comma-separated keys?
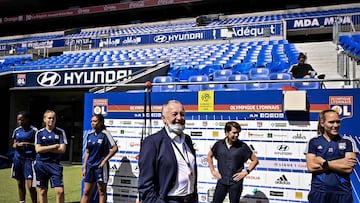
[
  {"x": 279, "y": 76},
  {"x": 259, "y": 74},
  {"x": 256, "y": 86},
  {"x": 222, "y": 75},
  {"x": 210, "y": 69},
  {"x": 307, "y": 85},
  {"x": 198, "y": 78},
  {"x": 242, "y": 68},
  {"x": 163, "y": 88},
  {"x": 219, "y": 77},
  {"x": 278, "y": 66},
  {"x": 186, "y": 73},
  {"x": 238, "y": 86}
]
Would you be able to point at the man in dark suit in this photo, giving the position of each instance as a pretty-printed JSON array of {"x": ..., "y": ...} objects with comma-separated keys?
[{"x": 167, "y": 161}]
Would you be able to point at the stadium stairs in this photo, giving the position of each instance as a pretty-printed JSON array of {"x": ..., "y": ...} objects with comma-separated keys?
[{"x": 322, "y": 56}]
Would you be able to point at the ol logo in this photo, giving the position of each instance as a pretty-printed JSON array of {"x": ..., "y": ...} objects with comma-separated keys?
[
  {"x": 343, "y": 105},
  {"x": 100, "y": 106}
]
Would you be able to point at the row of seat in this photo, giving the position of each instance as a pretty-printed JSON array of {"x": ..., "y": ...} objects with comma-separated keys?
[
  {"x": 260, "y": 72},
  {"x": 351, "y": 44},
  {"x": 239, "y": 56},
  {"x": 232, "y": 82}
]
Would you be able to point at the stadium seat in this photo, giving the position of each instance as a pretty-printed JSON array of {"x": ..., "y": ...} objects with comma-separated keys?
[
  {"x": 222, "y": 75},
  {"x": 256, "y": 86},
  {"x": 237, "y": 86},
  {"x": 210, "y": 69},
  {"x": 186, "y": 73},
  {"x": 307, "y": 85},
  {"x": 259, "y": 74},
  {"x": 163, "y": 88},
  {"x": 279, "y": 76},
  {"x": 278, "y": 66},
  {"x": 218, "y": 78},
  {"x": 198, "y": 78},
  {"x": 242, "y": 68}
]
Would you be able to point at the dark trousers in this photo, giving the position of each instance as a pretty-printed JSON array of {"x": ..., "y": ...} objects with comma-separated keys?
[
  {"x": 234, "y": 191},
  {"x": 192, "y": 198}
]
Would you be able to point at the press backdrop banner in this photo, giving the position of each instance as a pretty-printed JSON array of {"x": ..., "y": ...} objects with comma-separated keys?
[{"x": 278, "y": 138}]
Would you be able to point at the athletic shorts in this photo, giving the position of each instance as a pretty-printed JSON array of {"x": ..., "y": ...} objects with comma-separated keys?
[
  {"x": 99, "y": 175},
  {"x": 46, "y": 171},
  {"x": 329, "y": 197},
  {"x": 23, "y": 169}
]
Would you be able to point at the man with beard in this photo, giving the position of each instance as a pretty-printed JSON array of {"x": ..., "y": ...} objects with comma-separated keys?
[
  {"x": 231, "y": 155},
  {"x": 331, "y": 159},
  {"x": 167, "y": 161}
]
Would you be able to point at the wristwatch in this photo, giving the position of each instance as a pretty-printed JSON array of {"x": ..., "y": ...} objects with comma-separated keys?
[
  {"x": 248, "y": 171},
  {"x": 325, "y": 164}
]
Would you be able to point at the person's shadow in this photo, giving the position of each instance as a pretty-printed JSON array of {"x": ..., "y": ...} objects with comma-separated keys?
[
  {"x": 125, "y": 183},
  {"x": 257, "y": 195}
]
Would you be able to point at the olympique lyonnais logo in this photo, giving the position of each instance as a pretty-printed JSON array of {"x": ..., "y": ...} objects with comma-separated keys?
[
  {"x": 21, "y": 79},
  {"x": 343, "y": 105},
  {"x": 100, "y": 106}
]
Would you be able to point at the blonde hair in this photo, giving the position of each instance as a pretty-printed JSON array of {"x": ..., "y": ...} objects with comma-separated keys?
[
  {"x": 320, "y": 129},
  {"x": 47, "y": 112}
]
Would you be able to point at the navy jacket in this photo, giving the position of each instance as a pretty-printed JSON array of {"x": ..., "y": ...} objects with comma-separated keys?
[{"x": 158, "y": 167}]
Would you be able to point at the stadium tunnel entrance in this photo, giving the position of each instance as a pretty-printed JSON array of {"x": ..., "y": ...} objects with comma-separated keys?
[
  {"x": 68, "y": 106},
  {"x": 67, "y": 102}
]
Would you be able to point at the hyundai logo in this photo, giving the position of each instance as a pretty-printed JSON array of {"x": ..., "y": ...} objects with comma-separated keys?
[
  {"x": 160, "y": 38},
  {"x": 283, "y": 147},
  {"x": 48, "y": 79}
]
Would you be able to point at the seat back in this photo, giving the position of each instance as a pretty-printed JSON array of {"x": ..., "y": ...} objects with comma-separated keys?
[
  {"x": 256, "y": 86},
  {"x": 163, "y": 88},
  {"x": 242, "y": 68},
  {"x": 307, "y": 85},
  {"x": 279, "y": 76},
  {"x": 222, "y": 74},
  {"x": 198, "y": 78},
  {"x": 237, "y": 77},
  {"x": 278, "y": 66},
  {"x": 259, "y": 74}
]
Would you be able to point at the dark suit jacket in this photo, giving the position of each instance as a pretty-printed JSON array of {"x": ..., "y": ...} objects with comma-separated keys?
[{"x": 158, "y": 167}]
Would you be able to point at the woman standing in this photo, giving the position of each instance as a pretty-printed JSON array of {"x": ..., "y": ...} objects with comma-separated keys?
[
  {"x": 50, "y": 144},
  {"x": 23, "y": 142},
  {"x": 100, "y": 147}
]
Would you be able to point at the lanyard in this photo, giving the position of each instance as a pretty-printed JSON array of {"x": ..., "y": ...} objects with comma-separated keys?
[{"x": 182, "y": 155}]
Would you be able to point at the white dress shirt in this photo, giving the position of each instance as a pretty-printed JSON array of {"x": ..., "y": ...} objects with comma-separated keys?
[{"x": 185, "y": 179}]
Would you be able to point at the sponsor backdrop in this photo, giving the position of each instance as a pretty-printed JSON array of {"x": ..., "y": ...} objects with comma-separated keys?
[{"x": 277, "y": 137}]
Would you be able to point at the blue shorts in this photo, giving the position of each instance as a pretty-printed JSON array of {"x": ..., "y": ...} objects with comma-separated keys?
[
  {"x": 23, "y": 169},
  {"x": 46, "y": 171},
  {"x": 329, "y": 197},
  {"x": 99, "y": 175}
]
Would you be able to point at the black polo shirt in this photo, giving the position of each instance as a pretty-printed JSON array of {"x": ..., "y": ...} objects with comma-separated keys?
[{"x": 230, "y": 161}]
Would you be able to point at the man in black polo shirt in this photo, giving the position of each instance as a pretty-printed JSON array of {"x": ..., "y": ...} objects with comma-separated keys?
[
  {"x": 231, "y": 155},
  {"x": 302, "y": 69}
]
